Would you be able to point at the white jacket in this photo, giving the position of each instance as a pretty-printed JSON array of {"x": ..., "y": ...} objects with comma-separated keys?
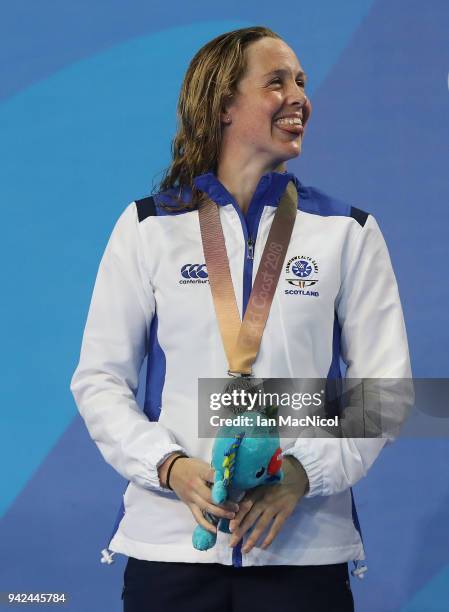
[{"x": 152, "y": 296}]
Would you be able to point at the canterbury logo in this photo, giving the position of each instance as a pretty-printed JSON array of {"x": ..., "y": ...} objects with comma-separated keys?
[{"x": 194, "y": 271}]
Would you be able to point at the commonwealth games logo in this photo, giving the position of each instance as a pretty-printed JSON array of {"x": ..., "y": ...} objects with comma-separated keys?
[{"x": 301, "y": 272}]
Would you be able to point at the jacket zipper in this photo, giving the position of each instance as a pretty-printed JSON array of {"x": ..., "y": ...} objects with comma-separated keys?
[
  {"x": 250, "y": 241},
  {"x": 250, "y": 248}
]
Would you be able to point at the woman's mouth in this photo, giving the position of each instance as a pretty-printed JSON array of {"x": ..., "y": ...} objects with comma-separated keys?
[{"x": 293, "y": 125}]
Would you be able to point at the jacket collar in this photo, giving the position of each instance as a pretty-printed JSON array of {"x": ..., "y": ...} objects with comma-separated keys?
[{"x": 269, "y": 190}]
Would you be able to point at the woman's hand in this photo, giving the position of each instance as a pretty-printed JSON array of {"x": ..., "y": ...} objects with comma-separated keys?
[
  {"x": 188, "y": 479},
  {"x": 268, "y": 502}
]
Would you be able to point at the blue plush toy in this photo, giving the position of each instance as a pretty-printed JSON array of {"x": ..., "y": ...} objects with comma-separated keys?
[{"x": 241, "y": 462}]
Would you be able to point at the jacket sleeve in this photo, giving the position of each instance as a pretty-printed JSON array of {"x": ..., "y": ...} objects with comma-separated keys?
[
  {"x": 373, "y": 346},
  {"x": 114, "y": 345}
]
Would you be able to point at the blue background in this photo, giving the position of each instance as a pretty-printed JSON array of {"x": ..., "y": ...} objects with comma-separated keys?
[{"x": 88, "y": 95}]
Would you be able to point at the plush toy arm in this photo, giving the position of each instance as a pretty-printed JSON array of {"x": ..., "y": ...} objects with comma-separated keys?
[{"x": 219, "y": 492}]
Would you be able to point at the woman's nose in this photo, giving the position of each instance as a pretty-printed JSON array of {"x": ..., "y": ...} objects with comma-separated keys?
[
  {"x": 296, "y": 95},
  {"x": 306, "y": 110}
]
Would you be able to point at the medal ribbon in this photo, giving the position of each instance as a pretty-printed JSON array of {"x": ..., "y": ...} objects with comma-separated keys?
[{"x": 241, "y": 340}]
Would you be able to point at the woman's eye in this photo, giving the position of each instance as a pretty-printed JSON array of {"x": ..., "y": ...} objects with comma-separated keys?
[{"x": 300, "y": 83}]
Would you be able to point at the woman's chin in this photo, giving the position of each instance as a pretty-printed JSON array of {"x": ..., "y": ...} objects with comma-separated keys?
[
  {"x": 295, "y": 148},
  {"x": 286, "y": 152}
]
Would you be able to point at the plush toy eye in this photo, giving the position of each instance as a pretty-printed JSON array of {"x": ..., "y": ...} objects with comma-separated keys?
[{"x": 260, "y": 472}]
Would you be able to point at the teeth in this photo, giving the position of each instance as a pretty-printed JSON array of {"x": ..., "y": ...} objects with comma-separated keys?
[{"x": 289, "y": 121}]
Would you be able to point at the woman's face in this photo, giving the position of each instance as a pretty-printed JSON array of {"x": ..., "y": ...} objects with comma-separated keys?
[{"x": 272, "y": 87}]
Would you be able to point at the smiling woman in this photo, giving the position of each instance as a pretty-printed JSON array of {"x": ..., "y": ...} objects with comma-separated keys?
[{"x": 227, "y": 210}]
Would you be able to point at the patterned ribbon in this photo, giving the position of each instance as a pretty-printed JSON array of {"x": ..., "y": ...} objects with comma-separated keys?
[{"x": 241, "y": 340}]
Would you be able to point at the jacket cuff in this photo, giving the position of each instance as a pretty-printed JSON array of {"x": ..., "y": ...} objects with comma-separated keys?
[
  {"x": 312, "y": 468},
  {"x": 158, "y": 455}
]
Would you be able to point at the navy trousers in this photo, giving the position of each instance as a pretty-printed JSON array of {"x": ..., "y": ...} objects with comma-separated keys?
[{"x": 155, "y": 586}]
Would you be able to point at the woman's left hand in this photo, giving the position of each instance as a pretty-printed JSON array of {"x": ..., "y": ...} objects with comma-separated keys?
[{"x": 268, "y": 502}]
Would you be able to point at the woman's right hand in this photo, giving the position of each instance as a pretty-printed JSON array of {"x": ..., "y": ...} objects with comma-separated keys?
[{"x": 188, "y": 479}]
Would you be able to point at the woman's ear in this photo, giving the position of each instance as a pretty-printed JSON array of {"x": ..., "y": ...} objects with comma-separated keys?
[{"x": 226, "y": 115}]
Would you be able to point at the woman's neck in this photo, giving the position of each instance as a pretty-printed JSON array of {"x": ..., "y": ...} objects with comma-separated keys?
[{"x": 241, "y": 182}]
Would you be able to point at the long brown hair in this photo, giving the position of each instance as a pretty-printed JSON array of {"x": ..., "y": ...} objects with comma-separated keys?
[{"x": 211, "y": 78}]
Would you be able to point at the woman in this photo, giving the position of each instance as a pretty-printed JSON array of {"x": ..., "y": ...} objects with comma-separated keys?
[{"x": 242, "y": 111}]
